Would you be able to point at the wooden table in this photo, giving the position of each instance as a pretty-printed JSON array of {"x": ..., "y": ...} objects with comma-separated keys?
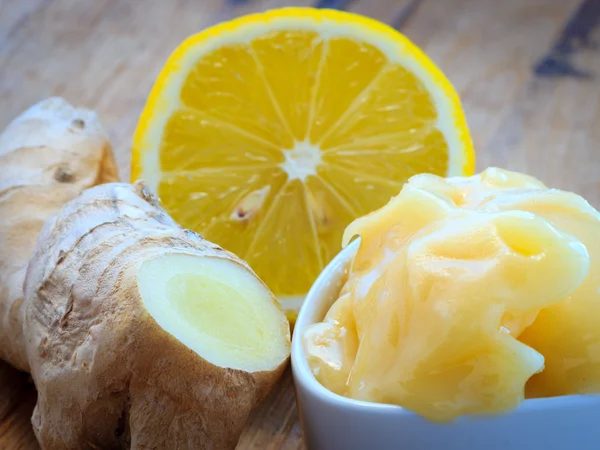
[{"x": 528, "y": 72}]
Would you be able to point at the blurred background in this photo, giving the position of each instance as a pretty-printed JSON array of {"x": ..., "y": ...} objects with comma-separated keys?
[{"x": 528, "y": 73}]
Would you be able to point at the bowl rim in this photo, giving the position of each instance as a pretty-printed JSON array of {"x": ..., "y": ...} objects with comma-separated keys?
[{"x": 306, "y": 381}]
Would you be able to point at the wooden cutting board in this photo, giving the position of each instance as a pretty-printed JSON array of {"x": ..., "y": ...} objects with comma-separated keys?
[{"x": 527, "y": 72}]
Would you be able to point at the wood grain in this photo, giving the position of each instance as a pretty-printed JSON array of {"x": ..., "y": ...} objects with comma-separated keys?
[{"x": 105, "y": 54}]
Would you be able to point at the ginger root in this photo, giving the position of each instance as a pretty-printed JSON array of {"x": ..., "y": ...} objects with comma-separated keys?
[
  {"x": 49, "y": 155},
  {"x": 139, "y": 333}
]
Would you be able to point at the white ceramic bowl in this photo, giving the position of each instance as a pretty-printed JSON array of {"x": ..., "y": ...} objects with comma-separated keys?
[{"x": 332, "y": 422}]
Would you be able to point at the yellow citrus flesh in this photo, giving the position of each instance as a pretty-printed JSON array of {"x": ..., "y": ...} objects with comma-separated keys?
[{"x": 269, "y": 134}]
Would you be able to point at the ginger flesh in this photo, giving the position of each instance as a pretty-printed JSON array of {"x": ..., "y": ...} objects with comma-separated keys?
[
  {"x": 216, "y": 308},
  {"x": 456, "y": 297}
]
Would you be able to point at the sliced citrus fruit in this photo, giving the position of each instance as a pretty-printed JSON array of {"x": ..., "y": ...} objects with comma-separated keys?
[{"x": 269, "y": 134}]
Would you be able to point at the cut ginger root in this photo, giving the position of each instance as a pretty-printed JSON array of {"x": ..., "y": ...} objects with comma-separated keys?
[
  {"x": 439, "y": 297},
  {"x": 180, "y": 326},
  {"x": 137, "y": 332}
]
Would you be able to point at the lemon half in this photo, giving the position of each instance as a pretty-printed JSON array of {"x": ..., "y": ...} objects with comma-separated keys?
[{"x": 270, "y": 133}]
